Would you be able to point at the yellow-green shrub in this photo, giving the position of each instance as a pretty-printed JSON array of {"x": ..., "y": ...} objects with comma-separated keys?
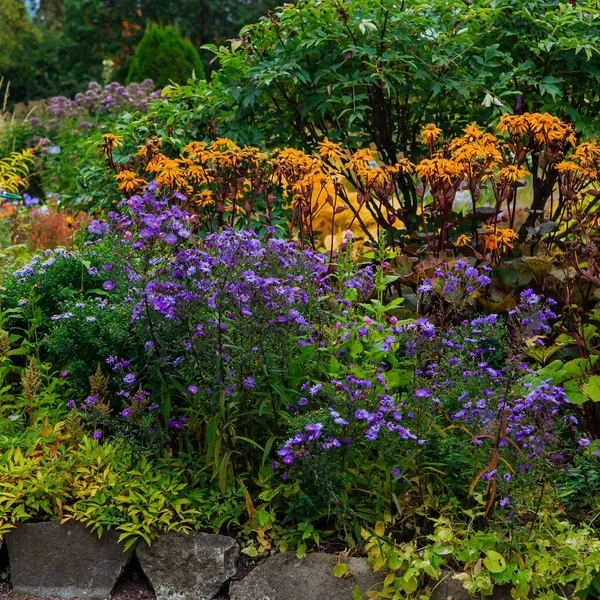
[{"x": 64, "y": 476}]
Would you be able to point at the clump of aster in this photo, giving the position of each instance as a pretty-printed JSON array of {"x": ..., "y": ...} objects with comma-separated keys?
[
  {"x": 532, "y": 316},
  {"x": 450, "y": 290},
  {"x": 230, "y": 295},
  {"x": 216, "y": 316},
  {"x": 414, "y": 393},
  {"x": 511, "y": 426}
]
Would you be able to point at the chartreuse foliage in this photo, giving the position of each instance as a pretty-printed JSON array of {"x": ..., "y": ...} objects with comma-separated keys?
[
  {"x": 563, "y": 560},
  {"x": 53, "y": 474},
  {"x": 14, "y": 170}
]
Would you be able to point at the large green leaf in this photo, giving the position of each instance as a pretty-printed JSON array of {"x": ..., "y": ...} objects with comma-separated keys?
[
  {"x": 494, "y": 562},
  {"x": 591, "y": 388}
]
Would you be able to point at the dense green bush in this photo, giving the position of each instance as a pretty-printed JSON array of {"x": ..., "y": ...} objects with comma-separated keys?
[{"x": 164, "y": 56}]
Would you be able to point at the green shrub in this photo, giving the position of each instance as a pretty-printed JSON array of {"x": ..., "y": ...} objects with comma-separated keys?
[
  {"x": 62, "y": 475},
  {"x": 164, "y": 56}
]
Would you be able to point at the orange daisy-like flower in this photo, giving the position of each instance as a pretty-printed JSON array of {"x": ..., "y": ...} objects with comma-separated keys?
[
  {"x": 330, "y": 150},
  {"x": 463, "y": 240},
  {"x": 128, "y": 181},
  {"x": 430, "y": 134}
]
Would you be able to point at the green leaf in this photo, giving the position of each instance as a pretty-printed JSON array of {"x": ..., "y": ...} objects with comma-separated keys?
[
  {"x": 250, "y": 551},
  {"x": 591, "y": 388},
  {"x": 494, "y": 562},
  {"x": 301, "y": 551},
  {"x": 572, "y": 391},
  {"x": 340, "y": 570}
]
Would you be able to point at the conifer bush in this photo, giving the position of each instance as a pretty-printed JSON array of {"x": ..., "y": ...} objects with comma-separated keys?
[{"x": 164, "y": 56}]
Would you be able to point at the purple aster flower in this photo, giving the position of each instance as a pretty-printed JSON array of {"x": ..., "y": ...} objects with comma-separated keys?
[
  {"x": 129, "y": 378},
  {"x": 314, "y": 430},
  {"x": 314, "y": 390},
  {"x": 192, "y": 389},
  {"x": 126, "y": 412},
  {"x": 504, "y": 502},
  {"x": 249, "y": 382},
  {"x": 108, "y": 285}
]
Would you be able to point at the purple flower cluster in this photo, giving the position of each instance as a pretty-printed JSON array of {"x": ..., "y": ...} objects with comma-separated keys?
[
  {"x": 456, "y": 280},
  {"x": 534, "y": 313},
  {"x": 452, "y": 287},
  {"x": 39, "y": 263},
  {"x": 213, "y": 307},
  {"x": 96, "y": 100},
  {"x": 404, "y": 382}
]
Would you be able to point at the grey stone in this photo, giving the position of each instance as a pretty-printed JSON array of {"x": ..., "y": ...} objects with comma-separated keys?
[
  {"x": 51, "y": 560},
  {"x": 189, "y": 567},
  {"x": 285, "y": 577},
  {"x": 449, "y": 587}
]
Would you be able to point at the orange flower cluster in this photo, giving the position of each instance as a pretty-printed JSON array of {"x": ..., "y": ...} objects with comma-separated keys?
[{"x": 228, "y": 184}]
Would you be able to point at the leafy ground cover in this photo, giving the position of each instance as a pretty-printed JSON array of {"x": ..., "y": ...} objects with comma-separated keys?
[{"x": 315, "y": 330}]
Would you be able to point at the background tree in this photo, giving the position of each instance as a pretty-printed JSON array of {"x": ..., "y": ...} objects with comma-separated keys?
[
  {"x": 360, "y": 73},
  {"x": 68, "y": 40}
]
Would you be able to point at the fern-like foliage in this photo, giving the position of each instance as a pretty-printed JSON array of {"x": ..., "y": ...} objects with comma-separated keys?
[{"x": 14, "y": 170}]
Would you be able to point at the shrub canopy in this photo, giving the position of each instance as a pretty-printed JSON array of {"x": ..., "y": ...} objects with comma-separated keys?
[{"x": 164, "y": 56}]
